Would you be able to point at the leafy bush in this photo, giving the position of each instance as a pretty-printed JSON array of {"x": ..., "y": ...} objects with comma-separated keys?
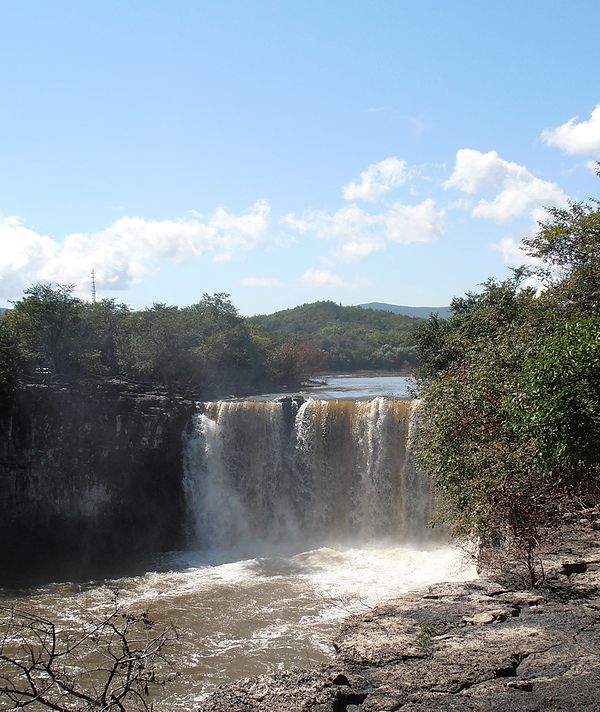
[
  {"x": 557, "y": 400},
  {"x": 511, "y": 394}
]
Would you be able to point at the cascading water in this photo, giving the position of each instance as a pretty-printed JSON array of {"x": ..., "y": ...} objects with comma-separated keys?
[
  {"x": 300, "y": 514},
  {"x": 281, "y": 474}
]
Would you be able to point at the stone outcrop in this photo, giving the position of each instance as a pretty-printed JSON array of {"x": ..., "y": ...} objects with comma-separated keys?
[
  {"x": 90, "y": 476},
  {"x": 470, "y": 646}
]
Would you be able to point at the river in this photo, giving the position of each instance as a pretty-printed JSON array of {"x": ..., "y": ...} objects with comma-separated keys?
[{"x": 299, "y": 516}]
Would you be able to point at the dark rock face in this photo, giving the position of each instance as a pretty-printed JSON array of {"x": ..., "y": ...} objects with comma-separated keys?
[
  {"x": 470, "y": 646},
  {"x": 89, "y": 476},
  {"x": 290, "y": 405}
]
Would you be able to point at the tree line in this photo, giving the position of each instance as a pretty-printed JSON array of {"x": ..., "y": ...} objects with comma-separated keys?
[
  {"x": 207, "y": 349},
  {"x": 510, "y": 386}
]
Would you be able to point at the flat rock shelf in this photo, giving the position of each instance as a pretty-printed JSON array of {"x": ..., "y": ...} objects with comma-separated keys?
[{"x": 460, "y": 646}]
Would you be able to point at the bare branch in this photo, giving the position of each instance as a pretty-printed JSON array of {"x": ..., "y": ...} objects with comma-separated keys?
[{"x": 114, "y": 663}]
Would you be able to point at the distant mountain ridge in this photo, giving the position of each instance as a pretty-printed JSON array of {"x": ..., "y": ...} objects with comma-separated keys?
[{"x": 417, "y": 312}]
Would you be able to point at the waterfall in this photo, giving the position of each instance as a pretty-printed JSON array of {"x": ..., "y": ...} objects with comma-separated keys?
[{"x": 261, "y": 476}]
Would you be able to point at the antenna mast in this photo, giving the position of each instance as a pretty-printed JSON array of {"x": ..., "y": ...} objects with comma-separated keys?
[{"x": 93, "y": 286}]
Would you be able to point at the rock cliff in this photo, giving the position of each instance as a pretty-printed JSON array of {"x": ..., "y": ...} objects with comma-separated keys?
[{"x": 90, "y": 475}]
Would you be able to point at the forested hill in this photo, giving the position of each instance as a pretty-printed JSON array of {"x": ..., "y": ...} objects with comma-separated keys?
[{"x": 344, "y": 338}]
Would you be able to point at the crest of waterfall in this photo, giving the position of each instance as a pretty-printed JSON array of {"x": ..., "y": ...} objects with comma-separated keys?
[{"x": 263, "y": 475}]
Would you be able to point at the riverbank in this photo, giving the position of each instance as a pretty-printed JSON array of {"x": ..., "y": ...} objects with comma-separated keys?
[{"x": 462, "y": 646}]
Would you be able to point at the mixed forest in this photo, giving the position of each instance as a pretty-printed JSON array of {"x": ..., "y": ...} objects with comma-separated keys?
[
  {"x": 347, "y": 338},
  {"x": 204, "y": 350},
  {"x": 511, "y": 394}
]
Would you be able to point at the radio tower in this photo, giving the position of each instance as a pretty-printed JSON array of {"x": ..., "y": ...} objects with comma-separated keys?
[{"x": 93, "y": 286}]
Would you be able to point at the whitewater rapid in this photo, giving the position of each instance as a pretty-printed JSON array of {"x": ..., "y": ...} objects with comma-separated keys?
[
  {"x": 300, "y": 513},
  {"x": 248, "y": 617}
]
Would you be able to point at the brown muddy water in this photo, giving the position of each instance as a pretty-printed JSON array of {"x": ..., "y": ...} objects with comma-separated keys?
[{"x": 298, "y": 516}]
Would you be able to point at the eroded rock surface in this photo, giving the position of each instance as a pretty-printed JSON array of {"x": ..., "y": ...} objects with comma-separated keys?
[
  {"x": 470, "y": 646},
  {"x": 89, "y": 475}
]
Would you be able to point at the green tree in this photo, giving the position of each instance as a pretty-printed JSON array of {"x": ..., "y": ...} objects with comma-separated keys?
[
  {"x": 47, "y": 327},
  {"x": 8, "y": 363},
  {"x": 154, "y": 346},
  {"x": 556, "y": 401},
  {"x": 510, "y": 393},
  {"x": 104, "y": 329}
]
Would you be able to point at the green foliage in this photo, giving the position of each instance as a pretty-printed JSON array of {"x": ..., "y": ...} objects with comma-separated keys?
[
  {"x": 8, "y": 363},
  {"x": 349, "y": 338},
  {"x": 104, "y": 331},
  {"x": 426, "y": 633},
  {"x": 510, "y": 387},
  {"x": 206, "y": 349},
  {"x": 477, "y": 317},
  {"x": 569, "y": 247},
  {"x": 477, "y": 462},
  {"x": 47, "y": 327},
  {"x": 557, "y": 399}
]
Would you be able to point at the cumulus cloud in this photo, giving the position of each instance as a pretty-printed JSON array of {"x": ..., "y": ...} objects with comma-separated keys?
[
  {"x": 576, "y": 138},
  {"x": 414, "y": 223},
  {"x": 359, "y": 233},
  {"x": 259, "y": 282},
  {"x": 23, "y": 256},
  {"x": 513, "y": 253},
  {"x": 517, "y": 191},
  {"x": 125, "y": 251},
  {"x": 321, "y": 278},
  {"x": 377, "y": 180}
]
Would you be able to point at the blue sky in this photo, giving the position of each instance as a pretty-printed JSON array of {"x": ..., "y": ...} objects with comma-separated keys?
[{"x": 285, "y": 152}]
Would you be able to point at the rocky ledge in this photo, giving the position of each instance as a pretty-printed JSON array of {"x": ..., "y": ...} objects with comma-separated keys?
[{"x": 472, "y": 646}]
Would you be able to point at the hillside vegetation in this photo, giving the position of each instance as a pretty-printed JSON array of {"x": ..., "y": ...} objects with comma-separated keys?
[
  {"x": 511, "y": 394},
  {"x": 344, "y": 338},
  {"x": 206, "y": 349}
]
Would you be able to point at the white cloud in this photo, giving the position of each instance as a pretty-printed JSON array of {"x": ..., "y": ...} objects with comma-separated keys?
[
  {"x": 124, "y": 252},
  {"x": 577, "y": 138},
  {"x": 357, "y": 249},
  {"x": 360, "y": 233},
  {"x": 259, "y": 282},
  {"x": 514, "y": 255},
  {"x": 321, "y": 278},
  {"x": 476, "y": 172},
  {"x": 23, "y": 256},
  {"x": 517, "y": 191},
  {"x": 377, "y": 180},
  {"x": 520, "y": 198},
  {"x": 414, "y": 223}
]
